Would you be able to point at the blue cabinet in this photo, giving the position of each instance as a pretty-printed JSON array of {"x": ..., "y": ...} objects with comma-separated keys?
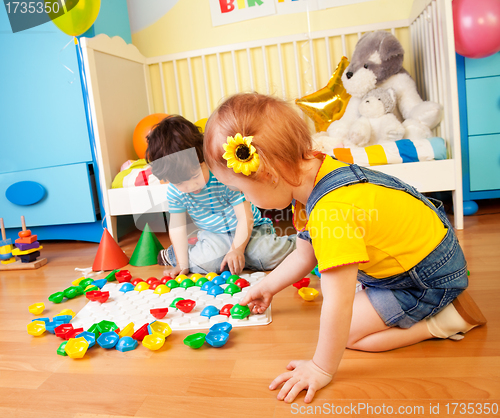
[
  {"x": 44, "y": 138},
  {"x": 479, "y": 99}
]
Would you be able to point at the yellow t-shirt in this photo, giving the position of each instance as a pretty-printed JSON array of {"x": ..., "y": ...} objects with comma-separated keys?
[{"x": 387, "y": 231}]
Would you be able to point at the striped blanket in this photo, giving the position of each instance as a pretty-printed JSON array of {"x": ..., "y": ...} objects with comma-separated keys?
[{"x": 402, "y": 151}]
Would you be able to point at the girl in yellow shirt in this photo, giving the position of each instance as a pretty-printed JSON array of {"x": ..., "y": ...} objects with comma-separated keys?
[{"x": 356, "y": 224}]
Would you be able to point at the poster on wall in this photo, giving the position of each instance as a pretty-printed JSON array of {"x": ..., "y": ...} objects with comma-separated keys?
[{"x": 231, "y": 11}]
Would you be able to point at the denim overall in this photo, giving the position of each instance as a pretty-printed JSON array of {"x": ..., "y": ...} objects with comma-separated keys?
[{"x": 404, "y": 299}]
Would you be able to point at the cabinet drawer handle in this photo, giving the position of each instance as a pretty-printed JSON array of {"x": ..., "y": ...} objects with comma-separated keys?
[{"x": 25, "y": 193}]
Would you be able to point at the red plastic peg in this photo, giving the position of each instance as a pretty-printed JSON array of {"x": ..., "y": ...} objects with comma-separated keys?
[
  {"x": 226, "y": 310},
  {"x": 241, "y": 283},
  {"x": 302, "y": 283},
  {"x": 159, "y": 313},
  {"x": 141, "y": 333},
  {"x": 185, "y": 305},
  {"x": 123, "y": 276}
]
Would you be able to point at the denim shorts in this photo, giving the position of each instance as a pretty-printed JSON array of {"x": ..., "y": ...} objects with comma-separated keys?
[{"x": 424, "y": 290}]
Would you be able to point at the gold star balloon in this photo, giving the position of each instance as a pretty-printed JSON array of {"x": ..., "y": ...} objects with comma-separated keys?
[{"x": 329, "y": 103}]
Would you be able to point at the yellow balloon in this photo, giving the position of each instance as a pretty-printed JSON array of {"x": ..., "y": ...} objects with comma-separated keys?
[
  {"x": 79, "y": 18},
  {"x": 329, "y": 103},
  {"x": 201, "y": 124}
]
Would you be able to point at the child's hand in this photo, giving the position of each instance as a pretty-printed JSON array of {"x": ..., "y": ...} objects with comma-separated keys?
[
  {"x": 303, "y": 375},
  {"x": 175, "y": 271},
  {"x": 258, "y": 298},
  {"x": 235, "y": 260}
]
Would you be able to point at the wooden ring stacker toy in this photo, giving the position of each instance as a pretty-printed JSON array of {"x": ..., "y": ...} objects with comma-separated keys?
[{"x": 25, "y": 232}]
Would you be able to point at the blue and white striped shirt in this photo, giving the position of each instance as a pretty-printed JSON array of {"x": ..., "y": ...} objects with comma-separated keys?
[{"x": 212, "y": 208}]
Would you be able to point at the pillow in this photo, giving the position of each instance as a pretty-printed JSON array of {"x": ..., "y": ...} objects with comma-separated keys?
[
  {"x": 402, "y": 151},
  {"x": 138, "y": 174}
]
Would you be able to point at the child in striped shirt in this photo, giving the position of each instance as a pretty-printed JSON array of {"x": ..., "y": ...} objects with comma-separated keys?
[{"x": 232, "y": 233}]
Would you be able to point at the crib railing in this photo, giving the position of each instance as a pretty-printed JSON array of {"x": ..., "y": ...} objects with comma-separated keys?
[{"x": 193, "y": 83}]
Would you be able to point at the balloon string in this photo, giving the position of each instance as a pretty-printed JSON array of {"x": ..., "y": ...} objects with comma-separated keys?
[
  {"x": 308, "y": 66},
  {"x": 69, "y": 69}
]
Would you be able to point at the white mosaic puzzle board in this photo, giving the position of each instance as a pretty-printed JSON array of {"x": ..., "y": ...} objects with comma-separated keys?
[{"x": 123, "y": 308}]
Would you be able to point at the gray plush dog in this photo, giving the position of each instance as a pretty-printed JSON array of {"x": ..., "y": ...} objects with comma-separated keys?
[{"x": 377, "y": 62}]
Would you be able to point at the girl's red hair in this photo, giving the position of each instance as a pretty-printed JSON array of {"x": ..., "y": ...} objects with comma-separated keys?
[{"x": 280, "y": 136}]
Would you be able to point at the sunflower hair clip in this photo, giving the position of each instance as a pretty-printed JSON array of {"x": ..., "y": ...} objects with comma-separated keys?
[{"x": 241, "y": 155}]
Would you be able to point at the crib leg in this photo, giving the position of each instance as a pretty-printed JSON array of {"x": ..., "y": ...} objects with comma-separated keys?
[{"x": 458, "y": 209}]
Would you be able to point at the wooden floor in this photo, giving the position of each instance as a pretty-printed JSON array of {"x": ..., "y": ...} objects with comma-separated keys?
[{"x": 232, "y": 381}]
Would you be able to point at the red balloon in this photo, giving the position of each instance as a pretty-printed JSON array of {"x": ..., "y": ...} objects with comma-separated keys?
[{"x": 477, "y": 27}]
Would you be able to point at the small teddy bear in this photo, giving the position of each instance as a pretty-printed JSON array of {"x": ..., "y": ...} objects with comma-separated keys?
[{"x": 377, "y": 124}]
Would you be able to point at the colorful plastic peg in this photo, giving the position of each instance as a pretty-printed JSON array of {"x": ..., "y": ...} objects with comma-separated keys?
[
  {"x": 195, "y": 340},
  {"x": 209, "y": 311},
  {"x": 154, "y": 341},
  {"x": 106, "y": 326},
  {"x": 185, "y": 305},
  {"x": 219, "y": 280},
  {"x": 211, "y": 275},
  {"x": 136, "y": 281},
  {"x": 196, "y": 276},
  {"x": 62, "y": 330},
  {"x": 141, "y": 286},
  {"x": 36, "y": 328},
  {"x": 123, "y": 276},
  {"x": 222, "y": 326},
  {"x": 141, "y": 333},
  {"x": 126, "y": 287},
  {"x": 308, "y": 293},
  {"x": 217, "y": 338},
  {"x": 174, "y": 302},
  {"x": 108, "y": 339},
  {"x": 232, "y": 289},
  {"x": 159, "y": 313},
  {"x": 172, "y": 284},
  {"x": 56, "y": 297},
  {"x": 151, "y": 280},
  {"x": 76, "y": 347},
  {"x": 240, "y": 312},
  {"x": 128, "y": 331},
  {"x": 201, "y": 281},
  {"x": 126, "y": 344},
  {"x": 187, "y": 283},
  {"x": 226, "y": 310},
  {"x": 232, "y": 279},
  {"x": 225, "y": 274},
  {"x": 160, "y": 328},
  {"x": 242, "y": 283},
  {"x": 37, "y": 308},
  {"x": 215, "y": 290},
  {"x": 161, "y": 289},
  {"x": 99, "y": 283},
  {"x": 89, "y": 336},
  {"x": 302, "y": 283},
  {"x": 61, "y": 350}
]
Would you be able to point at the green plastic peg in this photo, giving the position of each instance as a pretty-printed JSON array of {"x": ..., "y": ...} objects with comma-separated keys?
[
  {"x": 61, "y": 350},
  {"x": 240, "y": 312},
  {"x": 111, "y": 276},
  {"x": 186, "y": 283},
  {"x": 172, "y": 305},
  {"x": 195, "y": 340},
  {"x": 201, "y": 281},
  {"x": 56, "y": 297},
  {"x": 232, "y": 289},
  {"x": 172, "y": 284},
  {"x": 232, "y": 279}
]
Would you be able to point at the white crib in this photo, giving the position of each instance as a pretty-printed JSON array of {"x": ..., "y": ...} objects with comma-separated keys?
[{"x": 124, "y": 86}]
